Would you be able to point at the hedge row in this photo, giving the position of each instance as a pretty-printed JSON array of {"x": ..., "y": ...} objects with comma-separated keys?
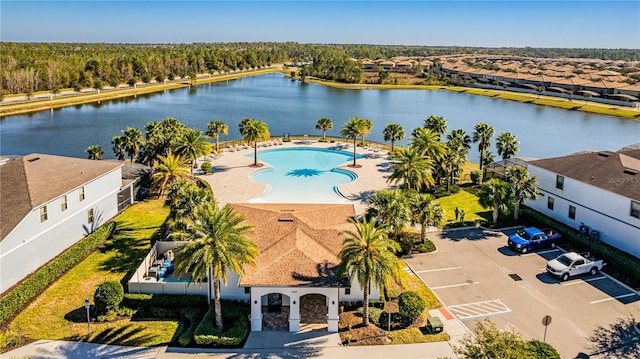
[
  {"x": 22, "y": 294},
  {"x": 232, "y": 312},
  {"x": 620, "y": 265}
]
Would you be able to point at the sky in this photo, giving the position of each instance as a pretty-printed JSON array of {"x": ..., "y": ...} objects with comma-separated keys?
[{"x": 514, "y": 23}]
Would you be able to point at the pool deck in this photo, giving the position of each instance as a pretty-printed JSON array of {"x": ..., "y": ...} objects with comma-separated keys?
[{"x": 231, "y": 183}]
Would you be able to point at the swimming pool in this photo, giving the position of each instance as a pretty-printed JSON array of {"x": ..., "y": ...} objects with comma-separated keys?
[{"x": 302, "y": 175}]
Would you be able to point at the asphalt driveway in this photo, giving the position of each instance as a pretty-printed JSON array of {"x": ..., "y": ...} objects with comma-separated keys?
[{"x": 477, "y": 276}]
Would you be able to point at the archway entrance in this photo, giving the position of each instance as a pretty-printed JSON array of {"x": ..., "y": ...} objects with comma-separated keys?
[
  {"x": 275, "y": 312},
  {"x": 313, "y": 312}
]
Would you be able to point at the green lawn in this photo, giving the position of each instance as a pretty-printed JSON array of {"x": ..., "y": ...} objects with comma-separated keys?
[
  {"x": 58, "y": 313},
  {"x": 467, "y": 202}
]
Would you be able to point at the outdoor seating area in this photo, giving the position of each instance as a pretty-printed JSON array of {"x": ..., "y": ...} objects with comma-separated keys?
[{"x": 162, "y": 266}]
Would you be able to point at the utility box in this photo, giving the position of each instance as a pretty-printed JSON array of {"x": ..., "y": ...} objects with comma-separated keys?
[{"x": 434, "y": 325}]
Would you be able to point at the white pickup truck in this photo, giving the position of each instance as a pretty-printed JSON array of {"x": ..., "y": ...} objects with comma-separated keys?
[{"x": 571, "y": 264}]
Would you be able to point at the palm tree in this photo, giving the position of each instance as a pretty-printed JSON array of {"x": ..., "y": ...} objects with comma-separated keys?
[
  {"x": 390, "y": 207},
  {"x": 428, "y": 142},
  {"x": 482, "y": 135},
  {"x": 393, "y": 132},
  {"x": 488, "y": 158},
  {"x": 95, "y": 152},
  {"x": 368, "y": 256},
  {"x": 254, "y": 131},
  {"x": 437, "y": 124},
  {"x": 459, "y": 140},
  {"x": 324, "y": 124},
  {"x": 170, "y": 169},
  {"x": 184, "y": 199},
  {"x": 413, "y": 168},
  {"x": 118, "y": 147},
  {"x": 218, "y": 243},
  {"x": 426, "y": 211},
  {"x": 367, "y": 125},
  {"x": 132, "y": 140},
  {"x": 496, "y": 194},
  {"x": 193, "y": 145},
  {"x": 507, "y": 145},
  {"x": 523, "y": 187},
  {"x": 215, "y": 129},
  {"x": 352, "y": 129}
]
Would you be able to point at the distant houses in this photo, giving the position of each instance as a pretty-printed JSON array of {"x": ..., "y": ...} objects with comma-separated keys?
[
  {"x": 48, "y": 203},
  {"x": 599, "y": 190}
]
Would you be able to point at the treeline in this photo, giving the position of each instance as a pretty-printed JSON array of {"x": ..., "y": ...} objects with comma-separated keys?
[{"x": 30, "y": 67}]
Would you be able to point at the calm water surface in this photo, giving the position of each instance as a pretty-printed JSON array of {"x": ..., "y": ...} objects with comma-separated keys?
[{"x": 293, "y": 107}]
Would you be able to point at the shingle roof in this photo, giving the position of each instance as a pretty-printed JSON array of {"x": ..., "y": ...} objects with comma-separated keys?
[
  {"x": 30, "y": 181},
  {"x": 617, "y": 172},
  {"x": 298, "y": 243}
]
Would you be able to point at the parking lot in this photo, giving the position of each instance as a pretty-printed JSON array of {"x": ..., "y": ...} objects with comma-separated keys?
[{"x": 476, "y": 276}]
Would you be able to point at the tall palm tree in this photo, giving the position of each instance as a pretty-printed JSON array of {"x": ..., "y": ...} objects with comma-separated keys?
[
  {"x": 254, "y": 131},
  {"x": 411, "y": 167},
  {"x": 118, "y": 147},
  {"x": 459, "y": 140},
  {"x": 426, "y": 211},
  {"x": 184, "y": 199},
  {"x": 219, "y": 242},
  {"x": 482, "y": 135},
  {"x": 368, "y": 256},
  {"x": 352, "y": 129},
  {"x": 324, "y": 124},
  {"x": 437, "y": 124},
  {"x": 393, "y": 132},
  {"x": 95, "y": 152},
  {"x": 215, "y": 129},
  {"x": 193, "y": 144},
  {"x": 367, "y": 125},
  {"x": 428, "y": 142},
  {"x": 496, "y": 194},
  {"x": 523, "y": 187},
  {"x": 507, "y": 145},
  {"x": 390, "y": 207},
  {"x": 169, "y": 169},
  {"x": 132, "y": 140}
]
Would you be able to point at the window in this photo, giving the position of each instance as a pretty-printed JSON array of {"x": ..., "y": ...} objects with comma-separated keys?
[
  {"x": 559, "y": 182},
  {"x": 247, "y": 290},
  {"x": 572, "y": 212},
  {"x": 550, "y": 201},
  {"x": 63, "y": 203},
  {"x": 347, "y": 291},
  {"x": 81, "y": 193},
  {"x": 43, "y": 214},
  {"x": 635, "y": 209},
  {"x": 90, "y": 216}
]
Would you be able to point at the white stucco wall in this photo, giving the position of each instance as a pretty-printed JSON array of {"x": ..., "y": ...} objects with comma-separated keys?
[
  {"x": 600, "y": 210},
  {"x": 32, "y": 243}
]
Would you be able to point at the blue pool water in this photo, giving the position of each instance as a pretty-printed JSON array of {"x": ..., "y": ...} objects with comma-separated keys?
[{"x": 302, "y": 175}]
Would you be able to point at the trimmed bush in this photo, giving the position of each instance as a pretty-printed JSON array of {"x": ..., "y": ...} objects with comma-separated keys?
[
  {"x": 108, "y": 296},
  {"x": 476, "y": 177},
  {"x": 232, "y": 312},
  {"x": 14, "y": 300},
  {"x": 206, "y": 167},
  {"x": 411, "y": 305},
  {"x": 541, "y": 350}
]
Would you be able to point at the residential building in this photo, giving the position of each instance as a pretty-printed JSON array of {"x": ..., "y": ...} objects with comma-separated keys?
[
  {"x": 600, "y": 190},
  {"x": 48, "y": 203},
  {"x": 295, "y": 274}
]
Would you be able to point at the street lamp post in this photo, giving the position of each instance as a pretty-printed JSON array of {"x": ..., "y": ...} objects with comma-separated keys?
[{"x": 87, "y": 305}]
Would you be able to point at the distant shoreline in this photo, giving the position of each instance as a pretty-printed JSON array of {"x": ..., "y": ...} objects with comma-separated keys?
[{"x": 10, "y": 109}]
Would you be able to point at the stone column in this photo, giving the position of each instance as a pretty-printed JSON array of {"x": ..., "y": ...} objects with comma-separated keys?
[
  {"x": 256, "y": 311},
  {"x": 294, "y": 312},
  {"x": 333, "y": 305}
]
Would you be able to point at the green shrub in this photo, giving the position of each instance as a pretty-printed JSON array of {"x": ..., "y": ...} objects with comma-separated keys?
[
  {"x": 232, "y": 312},
  {"x": 206, "y": 167},
  {"x": 542, "y": 350},
  {"x": 108, "y": 296},
  {"x": 411, "y": 305},
  {"x": 17, "y": 298},
  {"x": 192, "y": 315},
  {"x": 374, "y": 314},
  {"x": 476, "y": 177}
]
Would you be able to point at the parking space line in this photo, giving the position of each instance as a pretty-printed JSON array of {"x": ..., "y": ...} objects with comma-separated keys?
[
  {"x": 437, "y": 270},
  {"x": 453, "y": 285},
  {"x": 479, "y": 309},
  {"x": 583, "y": 281},
  {"x": 540, "y": 252},
  {"x": 612, "y": 298}
]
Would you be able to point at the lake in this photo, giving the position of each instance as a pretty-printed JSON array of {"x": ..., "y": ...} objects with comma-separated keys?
[{"x": 293, "y": 107}]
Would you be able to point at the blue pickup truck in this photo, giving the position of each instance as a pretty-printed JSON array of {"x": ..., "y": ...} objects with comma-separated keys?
[{"x": 531, "y": 238}]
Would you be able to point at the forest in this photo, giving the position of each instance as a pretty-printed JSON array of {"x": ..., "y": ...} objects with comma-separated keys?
[{"x": 30, "y": 67}]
